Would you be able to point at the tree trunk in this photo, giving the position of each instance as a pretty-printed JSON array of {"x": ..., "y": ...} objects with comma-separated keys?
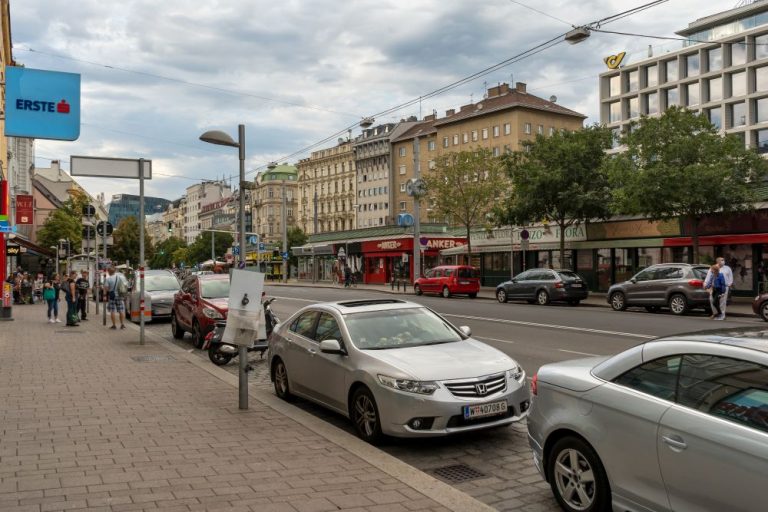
[
  {"x": 561, "y": 224},
  {"x": 469, "y": 246},
  {"x": 695, "y": 237}
]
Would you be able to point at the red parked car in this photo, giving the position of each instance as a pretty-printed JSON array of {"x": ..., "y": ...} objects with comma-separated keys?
[
  {"x": 449, "y": 280},
  {"x": 202, "y": 300}
]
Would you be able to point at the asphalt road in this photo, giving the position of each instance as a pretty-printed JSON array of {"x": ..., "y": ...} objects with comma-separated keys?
[{"x": 504, "y": 476}]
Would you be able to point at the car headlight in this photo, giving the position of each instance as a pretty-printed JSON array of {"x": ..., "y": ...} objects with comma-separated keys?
[
  {"x": 212, "y": 313},
  {"x": 517, "y": 373},
  {"x": 426, "y": 387}
]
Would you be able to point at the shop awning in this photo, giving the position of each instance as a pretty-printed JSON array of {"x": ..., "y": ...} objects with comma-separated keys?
[
  {"x": 756, "y": 238},
  {"x": 32, "y": 248}
]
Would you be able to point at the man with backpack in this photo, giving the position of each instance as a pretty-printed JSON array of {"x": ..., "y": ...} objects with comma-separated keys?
[
  {"x": 115, "y": 288},
  {"x": 82, "y": 294}
]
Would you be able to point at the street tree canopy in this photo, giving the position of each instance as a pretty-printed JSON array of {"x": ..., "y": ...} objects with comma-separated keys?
[
  {"x": 164, "y": 251},
  {"x": 126, "y": 246},
  {"x": 678, "y": 164},
  {"x": 559, "y": 178},
  {"x": 64, "y": 223},
  {"x": 464, "y": 186},
  {"x": 200, "y": 250}
]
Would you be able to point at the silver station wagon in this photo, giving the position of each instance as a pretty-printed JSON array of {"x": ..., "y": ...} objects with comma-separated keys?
[
  {"x": 679, "y": 423},
  {"x": 395, "y": 368}
]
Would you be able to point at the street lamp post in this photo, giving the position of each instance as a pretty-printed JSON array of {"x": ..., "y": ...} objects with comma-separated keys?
[{"x": 222, "y": 139}]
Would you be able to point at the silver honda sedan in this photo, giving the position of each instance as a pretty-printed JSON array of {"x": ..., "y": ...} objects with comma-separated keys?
[
  {"x": 395, "y": 368},
  {"x": 679, "y": 423}
]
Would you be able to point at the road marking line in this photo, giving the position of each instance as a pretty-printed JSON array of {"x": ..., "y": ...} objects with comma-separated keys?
[
  {"x": 579, "y": 353},
  {"x": 493, "y": 339},
  {"x": 553, "y": 326}
]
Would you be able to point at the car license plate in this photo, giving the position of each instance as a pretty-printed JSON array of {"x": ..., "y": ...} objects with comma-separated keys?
[
  {"x": 463, "y": 282},
  {"x": 480, "y": 411},
  {"x": 576, "y": 285}
]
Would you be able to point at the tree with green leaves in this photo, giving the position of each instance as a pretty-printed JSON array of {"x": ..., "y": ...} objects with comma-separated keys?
[
  {"x": 126, "y": 247},
  {"x": 559, "y": 178},
  {"x": 200, "y": 250},
  {"x": 463, "y": 186},
  {"x": 678, "y": 165},
  {"x": 180, "y": 256},
  {"x": 296, "y": 238},
  {"x": 164, "y": 251},
  {"x": 64, "y": 223}
]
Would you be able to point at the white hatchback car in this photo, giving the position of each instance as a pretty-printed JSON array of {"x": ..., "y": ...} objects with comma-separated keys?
[{"x": 395, "y": 368}]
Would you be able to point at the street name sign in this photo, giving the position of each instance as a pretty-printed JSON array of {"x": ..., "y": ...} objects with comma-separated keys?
[{"x": 109, "y": 167}]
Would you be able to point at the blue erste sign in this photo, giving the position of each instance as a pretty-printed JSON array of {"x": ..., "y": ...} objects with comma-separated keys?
[{"x": 42, "y": 104}]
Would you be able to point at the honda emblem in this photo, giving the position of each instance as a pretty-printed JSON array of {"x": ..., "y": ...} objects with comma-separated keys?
[{"x": 481, "y": 388}]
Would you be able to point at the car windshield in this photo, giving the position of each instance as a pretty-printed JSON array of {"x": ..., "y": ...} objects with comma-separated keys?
[
  {"x": 400, "y": 328},
  {"x": 215, "y": 288},
  {"x": 160, "y": 283},
  {"x": 567, "y": 274}
]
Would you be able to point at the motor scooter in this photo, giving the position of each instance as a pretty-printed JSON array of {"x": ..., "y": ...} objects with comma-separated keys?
[{"x": 221, "y": 353}]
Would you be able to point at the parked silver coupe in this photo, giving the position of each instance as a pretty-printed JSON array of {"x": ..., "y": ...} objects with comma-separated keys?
[
  {"x": 159, "y": 289},
  {"x": 395, "y": 368},
  {"x": 679, "y": 423}
]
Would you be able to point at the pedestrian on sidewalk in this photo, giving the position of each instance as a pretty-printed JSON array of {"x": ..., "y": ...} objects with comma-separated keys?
[
  {"x": 715, "y": 285},
  {"x": 70, "y": 295},
  {"x": 116, "y": 304},
  {"x": 82, "y": 295},
  {"x": 727, "y": 273},
  {"x": 347, "y": 276},
  {"x": 50, "y": 293}
]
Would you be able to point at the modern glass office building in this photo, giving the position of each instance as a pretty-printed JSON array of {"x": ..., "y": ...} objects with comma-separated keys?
[{"x": 126, "y": 205}]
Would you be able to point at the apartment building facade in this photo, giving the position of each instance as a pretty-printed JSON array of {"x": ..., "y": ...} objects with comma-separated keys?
[
  {"x": 326, "y": 190},
  {"x": 267, "y": 202},
  {"x": 198, "y": 196}
]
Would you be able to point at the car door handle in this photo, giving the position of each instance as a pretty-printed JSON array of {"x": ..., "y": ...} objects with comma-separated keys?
[
  {"x": 676, "y": 443},
  {"x": 312, "y": 351}
]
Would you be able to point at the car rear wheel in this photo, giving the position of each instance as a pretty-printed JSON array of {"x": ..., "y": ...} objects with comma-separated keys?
[
  {"x": 542, "y": 298},
  {"x": 417, "y": 289},
  {"x": 280, "y": 378},
  {"x": 446, "y": 292},
  {"x": 501, "y": 295},
  {"x": 764, "y": 311},
  {"x": 577, "y": 477},
  {"x": 618, "y": 303},
  {"x": 176, "y": 329},
  {"x": 198, "y": 338},
  {"x": 678, "y": 304},
  {"x": 365, "y": 416}
]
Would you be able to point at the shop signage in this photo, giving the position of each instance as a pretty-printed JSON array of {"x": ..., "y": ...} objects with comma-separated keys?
[
  {"x": 42, "y": 104},
  {"x": 12, "y": 249},
  {"x": 389, "y": 245},
  {"x": 614, "y": 61},
  {"x": 536, "y": 235},
  {"x": 633, "y": 229},
  {"x": 444, "y": 243},
  {"x": 24, "y": 209}
]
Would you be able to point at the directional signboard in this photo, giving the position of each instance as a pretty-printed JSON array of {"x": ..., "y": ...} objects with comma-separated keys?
[{"x": 109, "y": 167}]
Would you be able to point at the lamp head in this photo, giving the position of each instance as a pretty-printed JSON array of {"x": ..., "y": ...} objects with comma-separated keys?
[{"x": 219, "y": 138}]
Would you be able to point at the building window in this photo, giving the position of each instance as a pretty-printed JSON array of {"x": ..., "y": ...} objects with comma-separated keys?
[
  {"x": 552, "y": 128},
  {"x": 431, "y": 164},
  {"x": 496, "y": 151},
  {"x": 715, "y": 116},
  {"x": 456, "y": 139},
  {"x": 402, "y": 206},
  {"x": 615, "y": 137},
  {"x": 762, "y": 141},
  {"x": 692, "y": 65},
  {"x": 431, "y": 145},
  {"x": 485, "y": 133},
  {"x": 761, "y": 47},
  {"x": 738, "y": 84},
  {"x": 526, "y": 129},
  {"x": 402, "y": 187},
  {"x": 715, "y": 59},
  {"x": 508, "y": 128},
  {"x": 673, "y": 98},
  {"x": 402, "y": 151},
  {"x": 692, "y": 94},
  {"x": 402, "y": 169},
  {"x": 495, "y": 131},
  {"x": 445, "y": 142},
  {"x": 761, "y": 79},
  {"x": 633, "y": 105},
  {"x": 671, "y": 68},
  {"x": 738, "y": 54},
  {"x": 465, "y": 138},
  {"x": 474, "y": 135},
  {"x": 652, "y": 76},
  {"x": 614, "y": 114},
  {"x": 715, "y": 89},
  {"x": 614, "y": 85},
  {"x": 632, "y": 81},
  {"x": 652, "y": 103},
  {"x": 540, "y": 129},
  {"x": 761, "y": 108},
  {"x": 738, "y": 114}
]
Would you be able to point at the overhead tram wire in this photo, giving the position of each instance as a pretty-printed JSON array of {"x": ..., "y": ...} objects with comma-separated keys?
[{"x": 670, "y": 38}]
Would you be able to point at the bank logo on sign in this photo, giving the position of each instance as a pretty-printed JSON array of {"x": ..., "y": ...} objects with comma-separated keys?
[{"x": 42, "y": 104}]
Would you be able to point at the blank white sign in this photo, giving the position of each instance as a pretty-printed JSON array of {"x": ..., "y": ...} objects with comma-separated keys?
[{"x": 108, "y": 167}]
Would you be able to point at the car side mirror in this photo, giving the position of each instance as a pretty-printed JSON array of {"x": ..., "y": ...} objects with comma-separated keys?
[
  {"x": 466, "y": 330},
  {"x": 633, "y": 280},
  {"x": 331, "y": 347}
]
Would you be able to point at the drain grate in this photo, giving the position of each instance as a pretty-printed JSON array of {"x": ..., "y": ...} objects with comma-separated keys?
[
  {"x": 458, "y": 473},
  {"x": 152, "y": 358}
]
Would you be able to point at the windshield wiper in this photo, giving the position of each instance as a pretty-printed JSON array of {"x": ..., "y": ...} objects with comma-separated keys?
[{"x": 438, "y": 342}]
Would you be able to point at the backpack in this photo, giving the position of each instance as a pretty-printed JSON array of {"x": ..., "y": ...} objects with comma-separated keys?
[
  {"x": 49, "y": 294},
  {"x": 719, "y": 284},
  {"x": 122, "y": 287}
]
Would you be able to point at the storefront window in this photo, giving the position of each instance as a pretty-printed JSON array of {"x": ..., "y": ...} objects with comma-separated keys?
[
  {"x": 739, "y": 258},
  {"x": 625, "y": 266},
  {"x": 564, "y": 265},
  {"x": 603, "y": 269},
  {"x": 676, "y": 254},
  {"x": 496, "y": 262},
  {"x": 647, "y": 257},
  {"x": 706, "y": 255},
  {"x": 543, "y": 260},
  {"x": 762, "y": 270}
]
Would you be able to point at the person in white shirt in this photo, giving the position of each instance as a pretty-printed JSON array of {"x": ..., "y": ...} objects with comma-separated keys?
[{"x": 728, "y": 275}]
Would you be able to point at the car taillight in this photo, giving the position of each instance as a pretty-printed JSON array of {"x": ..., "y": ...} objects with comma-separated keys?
[
  {"x": 559, "y": 284},
  {"x": 535, "y": 384},
  {"x": 696, "y": 283}
]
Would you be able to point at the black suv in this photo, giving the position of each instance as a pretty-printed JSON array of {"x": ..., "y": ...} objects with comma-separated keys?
[{"x": 678, "y": 286}]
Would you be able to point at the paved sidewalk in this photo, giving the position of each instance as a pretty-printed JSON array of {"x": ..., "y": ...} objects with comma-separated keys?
[
  {"x": 740, "y": 307},
  {"x": 91, "y": 420}
]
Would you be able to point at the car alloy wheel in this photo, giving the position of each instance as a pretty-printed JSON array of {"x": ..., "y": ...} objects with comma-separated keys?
[
  {"x": 446, "y": 292},
  {"x": 176, "y": 329},
  {"x": 577, "y": 477},
  {"x": 280, "y": 378},
  {"x": 678, "y": 304},
  {"x": 365, "y": 416},
  {"x": 764, "y": 311},
  {"x": 617, "y": 301},
  {"x": 417, "y": 289},
  {"x": 542, "y": 298},
  {"x": 501, "y": 295},
  {"x": 198, "y": 339}
]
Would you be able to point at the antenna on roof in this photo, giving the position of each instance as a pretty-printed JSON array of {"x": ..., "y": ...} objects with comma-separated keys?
[
  {"x": 485, "y": 89},
  {"x": 471, "y": 98}
]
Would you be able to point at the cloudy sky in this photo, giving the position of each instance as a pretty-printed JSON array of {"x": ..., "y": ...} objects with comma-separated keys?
[{"x": 155, "y": 75}]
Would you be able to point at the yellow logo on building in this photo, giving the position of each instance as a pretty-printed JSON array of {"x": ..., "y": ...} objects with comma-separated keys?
[{"x": 614, "y": 61}]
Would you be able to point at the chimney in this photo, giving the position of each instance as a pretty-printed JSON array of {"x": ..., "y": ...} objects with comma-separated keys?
[
  {"x": 430, "y": 117},
  {"x": 493, "y": 92},
  {"x": 504, "y": 89},
  {"x": 412, "y": 119},
  {"x": 467, "y": 107},
  {"x": 520, "y": 87},
  {"x": 450, "y": 112}
]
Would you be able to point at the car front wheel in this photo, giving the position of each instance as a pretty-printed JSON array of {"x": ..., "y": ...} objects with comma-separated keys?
[
  {"x": 764, "y": 311},
  {"x": 577, "y": 477},
  {"x": 176, "y": 329},
  {"x": 446, "y": 292},
  {"x": 618, "y": 303},
  {"x": 198, "y": 338},
  {"x": 542, "y": 298},
  {"x": 501, "y": 295},
  {"x": 678, "y": 304},
  {"x": 417, "y": 289},
  {"x": 365, "y": 416},
  {"x": 280, "y": 378}
]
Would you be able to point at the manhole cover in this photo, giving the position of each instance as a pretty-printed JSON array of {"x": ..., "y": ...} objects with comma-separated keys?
[
  {"x": 458, "y": 473},
  {"x": 152, "y": 358}
]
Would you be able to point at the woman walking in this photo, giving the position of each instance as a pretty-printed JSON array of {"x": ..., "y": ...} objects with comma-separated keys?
[
  {"x": 49, "y": 296},
  {"x": 70, "y": 294}
]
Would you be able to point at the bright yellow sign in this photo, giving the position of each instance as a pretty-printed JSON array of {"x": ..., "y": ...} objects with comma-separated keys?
[{"x": 614, "y": 61}]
